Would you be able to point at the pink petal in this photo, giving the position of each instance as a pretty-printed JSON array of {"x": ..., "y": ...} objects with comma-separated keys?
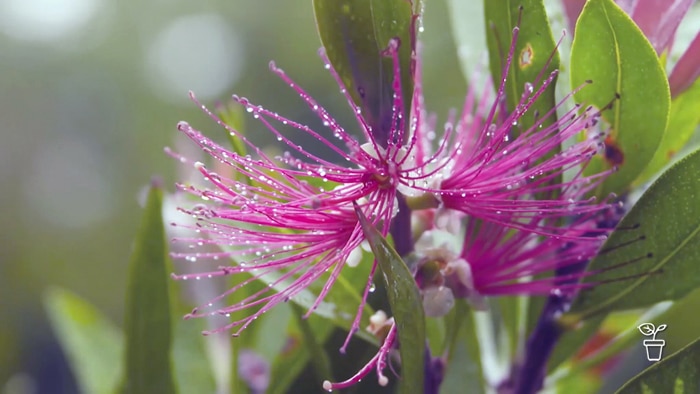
[
  {"x": 572, "y": 9},
  {"x": 659, "y": 20},
  {"x": 687, "y": 70},
  {"x": 628, "y": 5}
]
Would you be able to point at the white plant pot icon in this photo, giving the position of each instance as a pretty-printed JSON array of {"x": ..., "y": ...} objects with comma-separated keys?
[{"x": 654, "y": 347}]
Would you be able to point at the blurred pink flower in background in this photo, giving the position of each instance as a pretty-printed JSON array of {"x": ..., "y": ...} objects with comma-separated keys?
[{"x": 659, "y": 21}]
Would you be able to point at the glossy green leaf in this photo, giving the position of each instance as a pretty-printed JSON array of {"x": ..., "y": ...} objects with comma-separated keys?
[
  {"x": 677, "y": 374},
  {"x": 653, "y": 255},
  {"x": 92, "y": 343},
  {"x": 406, "y": 306},
  {"x": 147, "y": 324},
  {"x": 535, "y": 55},
  {"x": 610, "y": 50},
  {"x": 682, "y": 122},
  {"x": 354, "y": 34}
]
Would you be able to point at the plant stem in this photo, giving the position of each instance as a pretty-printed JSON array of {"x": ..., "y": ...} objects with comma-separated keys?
[{"x": 401, "y": 228}]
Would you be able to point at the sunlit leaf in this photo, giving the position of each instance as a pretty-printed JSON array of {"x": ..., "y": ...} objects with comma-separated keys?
[
  {"x": 147, "y": 324},
  {"x": 678, "y": 374},
  {"x": 406, "y": 306},
  {"x": 92, "y": 343},
  {"x": 610, "y": 50},
  {"x": 682, "y": 122},
  {"x": 655, "y": 248}
]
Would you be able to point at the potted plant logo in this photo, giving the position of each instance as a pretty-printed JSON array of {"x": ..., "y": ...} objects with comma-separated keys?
[{"x": 654, "y": 346}]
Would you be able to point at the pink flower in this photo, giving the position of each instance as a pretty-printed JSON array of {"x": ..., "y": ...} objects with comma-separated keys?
[
  {"x": 484, "y": 171},
  {"x": 279, "y": 224},
  {"x": 490, "y": 259},
  {"x": 288, "y": 220}
]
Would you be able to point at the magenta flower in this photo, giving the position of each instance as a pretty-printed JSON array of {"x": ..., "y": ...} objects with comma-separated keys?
[
  {"x": 483, "y": 171},
  {"x": 275, "y": 221},
  {"x": 280, "y": 223}
]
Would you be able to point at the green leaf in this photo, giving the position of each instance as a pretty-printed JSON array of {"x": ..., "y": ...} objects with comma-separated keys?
[
  {"x": 572, "y": 340},
  {"x": 435, "y": 334},
  {"x": 463, "y": 361},
  {"x": 192, "y": 365},
  {"x": 678, "y": 374},
  {"x": 354, "y": 34},
  {"x": 617, "y": 333},
  {"x": 147, "y": 323},
  {"x": 406, "y": 306},
  {"x": 345, "y": 296},
  {"x": 655, "y": 248},
  {"x": 92, "y": 343},
  {"x": 233, "y": 116},
  {"x": 682, "y": 122},
  {"x": 340, "y": 304},
  {"x": 292, "y": 360},
  {"x": 319, "y": 358},
  {"x": 534, "y": 49},
  {"x": 510, "y": 313},
  {"x": 610, "y": 50}
]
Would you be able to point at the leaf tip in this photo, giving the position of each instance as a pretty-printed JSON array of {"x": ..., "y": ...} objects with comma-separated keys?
[{"x": 156, "y": 182}]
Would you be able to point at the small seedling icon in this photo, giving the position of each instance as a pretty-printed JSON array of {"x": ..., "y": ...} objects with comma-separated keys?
[{"x": 654, "y": 346}]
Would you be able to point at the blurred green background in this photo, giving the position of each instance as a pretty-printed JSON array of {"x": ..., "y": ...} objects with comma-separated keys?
[{"x": 90, "y": 93}]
